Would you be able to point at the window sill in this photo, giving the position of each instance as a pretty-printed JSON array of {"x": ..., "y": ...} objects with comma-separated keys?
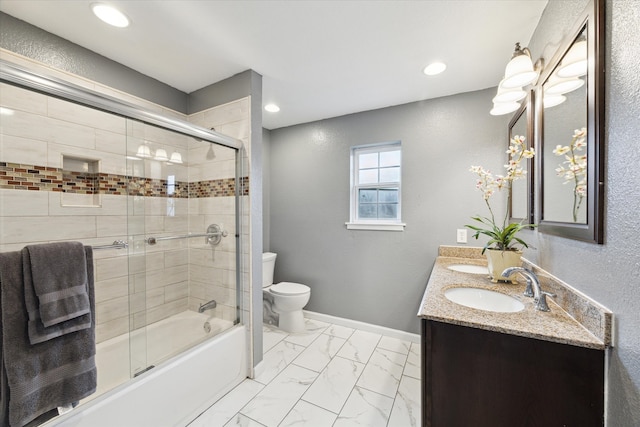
[{"x": 399, "y": 226}]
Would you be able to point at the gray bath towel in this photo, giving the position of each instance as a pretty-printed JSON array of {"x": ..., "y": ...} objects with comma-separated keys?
[
  {"x": 59, "y": 280},
  {"x": 37, "y": 331},
  {"x": 43, "y": 376}
]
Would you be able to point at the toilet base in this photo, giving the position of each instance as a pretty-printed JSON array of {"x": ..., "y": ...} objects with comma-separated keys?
[{"x": 292, "y": 321}]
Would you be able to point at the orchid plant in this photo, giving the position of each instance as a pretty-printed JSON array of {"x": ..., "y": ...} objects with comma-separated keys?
[
  {"x": 574, "y": 168},
  {"x": 502, "y": 236}
]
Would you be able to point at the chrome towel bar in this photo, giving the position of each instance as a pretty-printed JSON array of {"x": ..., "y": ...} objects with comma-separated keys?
[
  {"x": 213, "y": 236},
  {"x": 117, "y": 244}
]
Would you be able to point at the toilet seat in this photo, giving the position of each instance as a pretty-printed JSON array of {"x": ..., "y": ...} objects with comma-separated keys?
[{"x": 289, "y": 288}]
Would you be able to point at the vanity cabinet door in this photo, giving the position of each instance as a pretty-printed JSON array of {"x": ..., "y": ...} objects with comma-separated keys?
[{"x": 474, "y": 377}]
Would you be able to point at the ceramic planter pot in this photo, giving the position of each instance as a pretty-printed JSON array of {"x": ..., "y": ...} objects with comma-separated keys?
[{"x": 499, "y": 260}]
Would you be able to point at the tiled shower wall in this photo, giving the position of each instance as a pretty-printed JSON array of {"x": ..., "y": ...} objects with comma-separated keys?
[
  {"x": 41, "y": 202},
  {"x": 231, "y": 119}
]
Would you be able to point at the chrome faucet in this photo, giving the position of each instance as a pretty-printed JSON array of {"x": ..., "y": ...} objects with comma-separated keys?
[
  {"x": 533, "y": 287},
  {"x": 207, "y": 306}
]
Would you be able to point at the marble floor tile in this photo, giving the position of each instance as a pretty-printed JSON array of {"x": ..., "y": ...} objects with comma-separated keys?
[
  {"x": 331, "y": 389},
  {"x": 365, "y": 408},
  {"x": 319, "y": 353},
  {"x": 275, "y": 401},
  {"x": 225, "y": 409},
  {"x": 413, "y": 365},
  {"x": 329, "y": 375},
  {"x": 277, "y": 359},
  {"x": 359, "y": 346},
  {"x": 270, "y": 337},
  {"x": 240, "y": 420},
  {"x": 313, "y": 329},
  {"x": 307, "y": 415},
  {"x": 406, "y": 410},
  {"x": 339, "y": 331},
  {"x": 383, "y": 372},
  {"x": 394, "y": 344}
]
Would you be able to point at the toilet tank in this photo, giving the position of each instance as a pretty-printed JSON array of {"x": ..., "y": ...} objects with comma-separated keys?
[{"x": 268, "y": 265}]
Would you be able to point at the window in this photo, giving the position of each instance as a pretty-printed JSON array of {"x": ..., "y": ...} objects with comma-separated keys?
[{"x": 375, "y": 187}]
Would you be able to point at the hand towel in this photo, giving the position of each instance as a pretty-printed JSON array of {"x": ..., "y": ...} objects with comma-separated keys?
[
  {"x": 59, "y": 280},
  {"x": 50, "y": 374},
  {"x": 37, "y": 331}
]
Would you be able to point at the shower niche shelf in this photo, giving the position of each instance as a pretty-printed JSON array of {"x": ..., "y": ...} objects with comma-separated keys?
[{"x": 80, "y": 177}]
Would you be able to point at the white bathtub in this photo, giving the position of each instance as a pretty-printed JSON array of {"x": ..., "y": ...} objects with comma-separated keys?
[{"x": 176, "y": 391}]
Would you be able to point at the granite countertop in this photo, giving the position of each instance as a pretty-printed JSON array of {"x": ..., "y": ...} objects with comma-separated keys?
[{"x": 556, "y": 325}]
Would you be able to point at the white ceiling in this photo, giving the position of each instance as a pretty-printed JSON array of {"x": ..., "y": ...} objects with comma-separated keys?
[{"x": 318, "y": 59}]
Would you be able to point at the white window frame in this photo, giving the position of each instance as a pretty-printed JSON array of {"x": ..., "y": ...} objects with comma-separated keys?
[{"x": 355, "y": 223}]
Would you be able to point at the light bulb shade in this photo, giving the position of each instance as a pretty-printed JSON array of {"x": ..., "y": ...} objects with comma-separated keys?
[
  {"x": 575, "y": 62},
  {"x": 161, "y": 155},
  {"x": 558, "y": 85},
  {"x": 144, "y": 151},
  {"x": 500, "y": 109},
  {"x": 519, "y": 72},
  {"x": 508, "y": 95},
  {"x": 553, "y": 100},
  {"x": 176, "y": 158}
]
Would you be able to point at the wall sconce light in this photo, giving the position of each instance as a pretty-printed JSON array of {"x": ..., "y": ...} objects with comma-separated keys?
[
  {"x": 575, "y": 62},
  {"x": 144, "y": 151},
  {"x": 161, "y": 155},
  {"x": 508, "y": 95},
  {"x": 176, "y": 158},
  {"x": 502, "y": 108},
  {"x": 553, "y": 100},
  {"x": 558, "y": 85},
  {"x": 519, "y": 71}
]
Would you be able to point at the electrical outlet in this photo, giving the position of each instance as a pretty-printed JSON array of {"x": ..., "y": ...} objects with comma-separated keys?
[{"x": 462, "y": 235}]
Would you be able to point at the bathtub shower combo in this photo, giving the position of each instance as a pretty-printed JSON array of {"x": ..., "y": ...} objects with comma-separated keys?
[{"x": 159, "y": 200}]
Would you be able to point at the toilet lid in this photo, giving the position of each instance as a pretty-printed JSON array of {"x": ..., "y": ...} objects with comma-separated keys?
[{"x": 289, "y": 288}]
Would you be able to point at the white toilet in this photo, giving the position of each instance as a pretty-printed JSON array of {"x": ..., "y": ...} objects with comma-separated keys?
[{"x": 288, "y": 298}]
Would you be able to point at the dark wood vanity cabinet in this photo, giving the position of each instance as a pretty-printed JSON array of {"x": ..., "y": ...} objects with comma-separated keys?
[{"x": 475, "y": 377}]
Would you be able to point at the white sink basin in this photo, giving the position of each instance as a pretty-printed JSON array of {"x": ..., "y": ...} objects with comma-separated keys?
[
  {"x": 467, "y": 268},
  {"x": 484, "y": 299}
]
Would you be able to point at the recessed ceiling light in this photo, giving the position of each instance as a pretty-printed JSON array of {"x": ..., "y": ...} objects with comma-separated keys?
[
  {"x": 110, "y": 15},
  {"x": 435, "y": 68},
  {"x": 272, "y": 108}
]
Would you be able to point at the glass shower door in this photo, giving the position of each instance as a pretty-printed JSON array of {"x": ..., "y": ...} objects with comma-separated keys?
[{"x": 182, "y": 281}]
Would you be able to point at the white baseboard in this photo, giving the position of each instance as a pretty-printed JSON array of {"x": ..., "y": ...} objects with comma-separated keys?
[{"x": 368, "y": 327}]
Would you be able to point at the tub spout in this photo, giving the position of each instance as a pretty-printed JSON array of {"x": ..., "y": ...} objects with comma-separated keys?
[{"x": 207, "y": 306}]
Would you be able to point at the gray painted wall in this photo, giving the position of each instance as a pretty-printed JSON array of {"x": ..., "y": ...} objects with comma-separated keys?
[
  {"x": 224, "y": 91},
  {"x": 33, "y": 42},
  {"x": 378, "y": 276},
  {"x": 608, "y": 273}
]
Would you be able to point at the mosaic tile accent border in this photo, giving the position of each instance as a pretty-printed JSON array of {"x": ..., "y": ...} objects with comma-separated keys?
[{"x": 15, "y": 176}]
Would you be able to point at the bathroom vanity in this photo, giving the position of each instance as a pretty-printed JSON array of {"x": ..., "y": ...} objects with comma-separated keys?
[{"x": 527, "y": 367}]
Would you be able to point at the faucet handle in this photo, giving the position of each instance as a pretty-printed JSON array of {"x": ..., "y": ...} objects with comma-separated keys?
[
  {"x": 528, "y": 292},
  {"x": 541, "y": 303}
]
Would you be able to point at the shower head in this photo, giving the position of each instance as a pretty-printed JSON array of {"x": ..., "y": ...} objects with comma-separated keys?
[{"x": 210, "y": 154}]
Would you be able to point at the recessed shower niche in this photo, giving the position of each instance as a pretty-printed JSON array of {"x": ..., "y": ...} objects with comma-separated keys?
[{"x": 81, "y": 183}]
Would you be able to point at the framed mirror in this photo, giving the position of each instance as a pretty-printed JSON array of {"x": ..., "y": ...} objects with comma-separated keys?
[
  {"x": 521, "y": 199},
  {"x": 571, "y": 136}
]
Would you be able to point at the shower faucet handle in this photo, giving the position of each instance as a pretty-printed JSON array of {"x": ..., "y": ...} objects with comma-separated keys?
[{"x": 215, "y": 234}]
